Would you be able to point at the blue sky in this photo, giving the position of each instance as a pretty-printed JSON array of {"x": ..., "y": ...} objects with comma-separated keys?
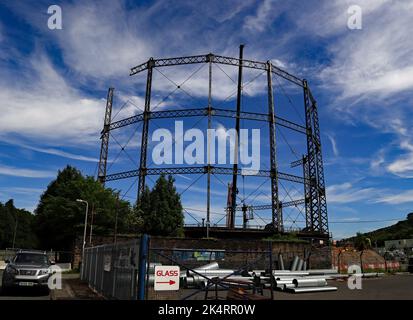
[{"x": 54, "y": 84}]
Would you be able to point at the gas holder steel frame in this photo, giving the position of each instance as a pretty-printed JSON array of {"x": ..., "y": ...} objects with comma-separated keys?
[{"x": 312, "y": 162}]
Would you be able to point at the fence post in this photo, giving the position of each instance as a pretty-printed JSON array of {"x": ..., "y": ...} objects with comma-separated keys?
[
  {"x": 271, "y": 269},
  {"x": 143, "y": 255},
  {"x": 361, "y": 261}
]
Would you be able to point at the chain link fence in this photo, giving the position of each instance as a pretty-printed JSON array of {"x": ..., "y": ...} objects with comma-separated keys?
[
  {"x": 111, "y": 270},
  {"x": 207, "y": 269}
]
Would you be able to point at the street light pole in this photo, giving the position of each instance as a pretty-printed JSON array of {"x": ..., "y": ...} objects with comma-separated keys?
[
  {"x": 91, "y": 224},
  {"x": 84, "y": 233}
]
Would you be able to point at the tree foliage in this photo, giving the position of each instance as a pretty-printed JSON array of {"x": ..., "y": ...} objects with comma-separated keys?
[
  {"x": 401, "y": 230},
  {"x": 362, "y": 242},
  {"x": 19, "y": 220},
  {"x": 160, "y": 209},
  {"x": 60, "y": 218}
]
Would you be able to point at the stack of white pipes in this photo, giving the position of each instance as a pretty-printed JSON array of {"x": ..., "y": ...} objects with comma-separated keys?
[
  {"x": 194, "y": 278},
  {"x": 298, "y": 281}
]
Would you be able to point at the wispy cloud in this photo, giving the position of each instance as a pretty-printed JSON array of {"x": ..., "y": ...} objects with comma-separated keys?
[
  {"x": 402, "y": 197},
  {"x": 346, "y": 193},
  {"x": 264, "y": 15},
  {"x": 64, "y": 154},
  {"x": 333, "y": 144},
  {"x": 21, "y": 190},
  {"x": 381, "y": 63},
  {"x": 43, "y": 105},
  {"x": 403, "y": 166},
  {"x": 52, "y": 151},
  {"x": 28, "y": 173}
]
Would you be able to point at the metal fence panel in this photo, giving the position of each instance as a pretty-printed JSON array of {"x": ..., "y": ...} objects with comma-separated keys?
[{"x": 111, "y": 270}]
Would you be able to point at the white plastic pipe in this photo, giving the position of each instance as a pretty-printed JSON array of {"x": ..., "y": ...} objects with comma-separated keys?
[
  {"x": 300, "y": 282},
  {"x": 312, "y": 289}
]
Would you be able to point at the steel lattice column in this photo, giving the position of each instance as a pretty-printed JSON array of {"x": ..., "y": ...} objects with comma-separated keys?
[
  {"x": 312, "y": 206},
  {"x": 145, "y": 130},
  {"x": 104, "y": 148},
  {"x": 307, "y": 195},
  {"x": 277, "y": 220},
  {"x": 322, "y": 202},
  {"x": 317, "y": 206}
]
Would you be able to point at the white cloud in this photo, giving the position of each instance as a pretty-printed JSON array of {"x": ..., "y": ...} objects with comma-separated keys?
[
  {"x": 330, "y": 17},
  {"x": 346, "y": 193},
  {"x": 28, "y": 173},
  {"x": 99, "y": 41},
  {"x": 377, "y": 161},
  {"x": 63, "y": 154},
  {"x": 370, "y": 70},
  {"x": 40, "y": 104},
  {"x": 402, "y": 197},
  {"x": 333, "y": 144},
  {"x": 264, "y": 15},
  {"x": 403, "y": 166},
  {"x": 21, "y": 190},
  {"x": 376, "y": 61}
]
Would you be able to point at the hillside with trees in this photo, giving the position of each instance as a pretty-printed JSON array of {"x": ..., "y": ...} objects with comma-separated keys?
[{"x": 401, "y": 230}]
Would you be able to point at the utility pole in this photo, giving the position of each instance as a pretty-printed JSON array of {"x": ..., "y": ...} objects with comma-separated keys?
[{"x": 84, "y": 235}]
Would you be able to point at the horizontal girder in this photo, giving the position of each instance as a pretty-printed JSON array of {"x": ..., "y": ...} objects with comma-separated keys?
[
  {"x": 203, "y": 112},
  {"x": 216, "y": 59},
  {"x": 269, "y": 206},
  {"x": 201, "y": 170}
]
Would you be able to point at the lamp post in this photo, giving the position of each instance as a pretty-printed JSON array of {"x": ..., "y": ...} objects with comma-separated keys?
[
  {"x": 84, "y": 234},
  {"x": 91, "y": 224}
]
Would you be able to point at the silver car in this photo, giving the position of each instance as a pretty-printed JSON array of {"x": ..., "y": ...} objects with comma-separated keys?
[{"x": 28, "y": 268}]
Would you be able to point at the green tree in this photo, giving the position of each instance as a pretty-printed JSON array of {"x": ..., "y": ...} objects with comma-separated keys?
[
  {"x": 10, "y": 218},
  {"x": 161, "y": 210},
  {"x": 361, "y": 242},
  {"x": 60, "y": 219}
]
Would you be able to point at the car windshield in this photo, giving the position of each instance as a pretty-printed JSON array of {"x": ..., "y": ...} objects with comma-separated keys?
[{"x": 31, "y": 258}]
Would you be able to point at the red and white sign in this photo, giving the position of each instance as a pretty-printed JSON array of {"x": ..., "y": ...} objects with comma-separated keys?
[{"x": 166, "y": 278}]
